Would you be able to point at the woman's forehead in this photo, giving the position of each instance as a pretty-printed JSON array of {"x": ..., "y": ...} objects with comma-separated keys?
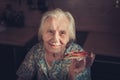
[{"x": 60, "y": 22}]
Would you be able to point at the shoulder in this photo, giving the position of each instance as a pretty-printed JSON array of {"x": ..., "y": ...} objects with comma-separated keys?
[
  {"x": 36, "y": 50},
  {"x": 36, "y": 47}
]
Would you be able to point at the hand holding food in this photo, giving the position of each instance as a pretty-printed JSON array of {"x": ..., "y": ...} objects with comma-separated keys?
[{"x": 79, "y": 61}]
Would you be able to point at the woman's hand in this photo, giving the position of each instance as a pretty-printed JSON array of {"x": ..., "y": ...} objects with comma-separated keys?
[{"x": 77, "y": 67}]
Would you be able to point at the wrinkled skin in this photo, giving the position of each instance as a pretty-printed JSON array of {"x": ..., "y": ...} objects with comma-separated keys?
[{"x": 55, "y": 34}]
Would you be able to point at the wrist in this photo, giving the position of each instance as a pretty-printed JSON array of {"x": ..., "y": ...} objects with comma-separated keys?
[{"x": 70, "y": 77}]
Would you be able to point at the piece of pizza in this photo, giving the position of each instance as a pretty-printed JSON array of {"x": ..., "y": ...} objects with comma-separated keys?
[{"x": 79, "y": 55}]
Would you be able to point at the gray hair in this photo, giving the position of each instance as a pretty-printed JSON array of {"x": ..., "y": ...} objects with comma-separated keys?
[{"x": 58, "y": 13}]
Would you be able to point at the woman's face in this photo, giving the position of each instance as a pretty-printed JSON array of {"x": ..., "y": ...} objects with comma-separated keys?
[{"x": 55, "y": 34}]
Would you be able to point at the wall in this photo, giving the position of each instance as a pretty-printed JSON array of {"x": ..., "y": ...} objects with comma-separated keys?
[{"x": 92, "y": 15}]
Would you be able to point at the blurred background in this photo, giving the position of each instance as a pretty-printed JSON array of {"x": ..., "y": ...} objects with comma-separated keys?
[{"x": 97, "y": 28}]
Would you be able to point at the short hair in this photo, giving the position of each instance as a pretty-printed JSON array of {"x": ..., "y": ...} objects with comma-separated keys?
[{"x": 58, "y": 13}]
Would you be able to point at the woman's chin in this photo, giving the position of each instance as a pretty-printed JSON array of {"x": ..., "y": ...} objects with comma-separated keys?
[{"x": 55, "y": 51}]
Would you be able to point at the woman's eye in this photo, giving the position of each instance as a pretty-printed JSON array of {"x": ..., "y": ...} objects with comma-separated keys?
[
  {"x": 62, "y": 32},
  {"x": 50, "y": 31}
]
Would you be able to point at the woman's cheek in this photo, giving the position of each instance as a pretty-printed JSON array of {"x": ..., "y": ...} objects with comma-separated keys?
[
  {"x": 46, "y": 37},
  {"x": 65, "y": 40}
]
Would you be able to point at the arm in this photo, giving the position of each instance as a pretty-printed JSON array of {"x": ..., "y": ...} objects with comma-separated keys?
[
  {"x": 26, "y": 70},
  {"x": 84, "y": 75},
  {"x": 19, "y": 78}
]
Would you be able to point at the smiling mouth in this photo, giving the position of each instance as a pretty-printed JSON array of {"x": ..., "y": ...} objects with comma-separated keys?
[{"x": 54, "y": 46}]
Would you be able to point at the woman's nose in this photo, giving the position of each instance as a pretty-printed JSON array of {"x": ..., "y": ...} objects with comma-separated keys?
[{"x": 56, "y": 38}]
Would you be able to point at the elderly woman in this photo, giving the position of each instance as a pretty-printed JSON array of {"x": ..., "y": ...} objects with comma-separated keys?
[{"x": 46, "y": 60}]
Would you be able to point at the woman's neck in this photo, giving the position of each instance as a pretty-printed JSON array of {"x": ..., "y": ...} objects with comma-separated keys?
[{"x": 50, "y": 58}]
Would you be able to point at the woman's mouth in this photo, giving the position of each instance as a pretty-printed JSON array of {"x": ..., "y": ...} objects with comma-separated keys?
[{"x": 55, "y": 45}]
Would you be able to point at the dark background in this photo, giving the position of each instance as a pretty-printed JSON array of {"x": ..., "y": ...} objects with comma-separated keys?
[{"x": 91, "y": 16}]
